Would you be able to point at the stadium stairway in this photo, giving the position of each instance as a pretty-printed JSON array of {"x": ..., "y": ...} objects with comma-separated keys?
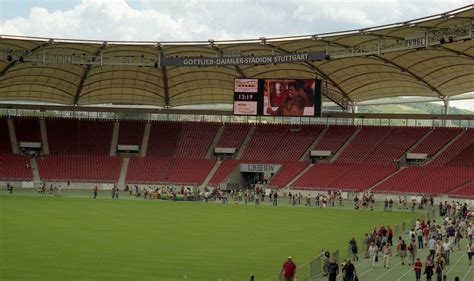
[
  {"x": 34, "y": 169},
  {"x": 426, "y": 163},
  {"x": 44, "y": 137},
  {"x": 305, "y": 155},
  {"x": 345, "y": 145},
  {"x": 146, "y": 138},
  {"x": 422, "y": 139},
  {"x": 123, "y": 173},
  {"x": 13, "y": 141},
  {"x": 215, "y": 141},
  {"x": 212, "y": 172},
  {"x": 115, "y": 134},
  {"x": 386, "y": 178},
  {"x": 287, "y": 186},
  {"x": 245, "y": 143}
]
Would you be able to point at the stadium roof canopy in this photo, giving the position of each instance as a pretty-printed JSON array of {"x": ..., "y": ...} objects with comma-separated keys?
[{"x": 431, "y": 56}]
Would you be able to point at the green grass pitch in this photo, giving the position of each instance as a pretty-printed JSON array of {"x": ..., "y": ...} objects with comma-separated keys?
[{"x": 73, "y": 238}]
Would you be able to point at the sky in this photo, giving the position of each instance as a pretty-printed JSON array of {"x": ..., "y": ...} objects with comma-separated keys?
[{"x": 156, "y": 20}]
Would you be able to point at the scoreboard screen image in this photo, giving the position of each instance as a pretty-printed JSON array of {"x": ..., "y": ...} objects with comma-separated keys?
[{"x": 277, "y": 97}]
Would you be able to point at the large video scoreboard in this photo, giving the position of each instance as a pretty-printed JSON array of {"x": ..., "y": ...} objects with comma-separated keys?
[{"x": 277, "y": 97}]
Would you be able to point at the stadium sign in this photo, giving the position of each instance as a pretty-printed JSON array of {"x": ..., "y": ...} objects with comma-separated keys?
[
  {"x": 242, "y": 60},
  {"x": 259, "y": 168}
]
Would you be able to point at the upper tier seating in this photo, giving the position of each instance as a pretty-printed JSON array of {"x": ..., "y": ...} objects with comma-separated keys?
[
  {"x": 131, "y": 132},
  {"x": 381, "y": 145},
  {"x": 168, "y": 170},
  {"x": 436, "y": 140},
  {"x": 359, "y": 148},
  {"x": 459, "y": 153},
  {"x": 14, "y": 167},
  {"x": 435, "y": 180},
  {"x": 280, "y": 142},
  {"x": 97, "y": 168},
  {"x": 27, "y": 129},
  {"x": 343, "y": 176},
  {"x": 335, "y": 137},
  {"x": 394, "y": 145},
  {"x": 233, "y": 135},
  {"x": 465, "y": 158},
  {"x": 72, "y": 136},
  {"x": 5, "y": 145},
  {"x": 183, "y": 140}
]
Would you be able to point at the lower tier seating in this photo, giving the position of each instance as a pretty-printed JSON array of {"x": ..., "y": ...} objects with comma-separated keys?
[
  {"x": 343, "y": 176},
  {"x": 287, "y": 172},
  {"x": 432, "y": 180},
  {"x": 223, "y": 172},
  {"x": 464, "y": 191},
  {"x": 95, "y": 168},
  {"x": 168, "y": 170},
  {"x": 15, "y": 167}
]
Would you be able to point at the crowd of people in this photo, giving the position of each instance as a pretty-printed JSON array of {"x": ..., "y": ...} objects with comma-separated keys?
[
  {"x": 440, "y": 240},
  {"x": 437, "y": 239}
]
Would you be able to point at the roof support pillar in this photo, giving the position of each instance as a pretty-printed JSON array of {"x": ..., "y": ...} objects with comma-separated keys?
[{"x": 87, "y": 69}]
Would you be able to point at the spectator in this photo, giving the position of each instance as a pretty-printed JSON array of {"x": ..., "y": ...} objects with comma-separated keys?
[
  {"x": 432, "y": 247},
  {"x": 373, "y": 249},
  {"x": 429, "y": 266},
  {"x": 349, "y": 271},
  {"x": 353, "y": 245},
  {"x": 324, "y": 255},
  {"x": 288, "y": 270},
  {"x": 387, "y": 253},
  {"x": 470, "y": 252},
  {"x": 417, "y": 267},
  {"x": 402, "y": 251},
  {"x": 412, "y": 251},
  {"x": 333, "y": 269}
]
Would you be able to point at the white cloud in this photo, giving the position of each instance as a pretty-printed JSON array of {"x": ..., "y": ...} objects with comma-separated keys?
[{"x": 156, "y": 20}]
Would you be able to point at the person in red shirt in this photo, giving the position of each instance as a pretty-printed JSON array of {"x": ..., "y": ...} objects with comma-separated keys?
[
  {"x": 417, "y": 267},
  {"x": 288, "y": 270}
]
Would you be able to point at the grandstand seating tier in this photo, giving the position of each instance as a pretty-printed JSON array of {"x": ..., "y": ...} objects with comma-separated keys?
[
  {"x": 181, "y": 139},
  {"x": 131, "y": 132},
  {"x": 434, "y": 180},
  {"x": 335, "y": 137},
  {"x": 98, "y": 168},
  {"x": 464, "y": 191},
  {"x": 455, "y": 151},
  {"x": 72, "y": 136},
  {"x": 355, "y": 177},
  {"x": 233, "y": 135},
  {"x": 5, "y": 145},
  {"x": 280, "y": 142},
  {"x": 15, "y": 167},
  {"x": 287, "y": 172},
  {"x": 436, "y": 140},
  {"x": 223, "y": 172},
  {"x": 27, "y": 129},
  {"x": 168, "y": 170}
]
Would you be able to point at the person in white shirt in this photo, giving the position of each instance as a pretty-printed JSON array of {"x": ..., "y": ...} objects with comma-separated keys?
[
  {"x": 373, "y": 250},
  {"x": 432, "y": 247},
  {"x": 469, "y": 233},
  {"x": 387, "y": 253},
  {"x": 447, "y": 248}
]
